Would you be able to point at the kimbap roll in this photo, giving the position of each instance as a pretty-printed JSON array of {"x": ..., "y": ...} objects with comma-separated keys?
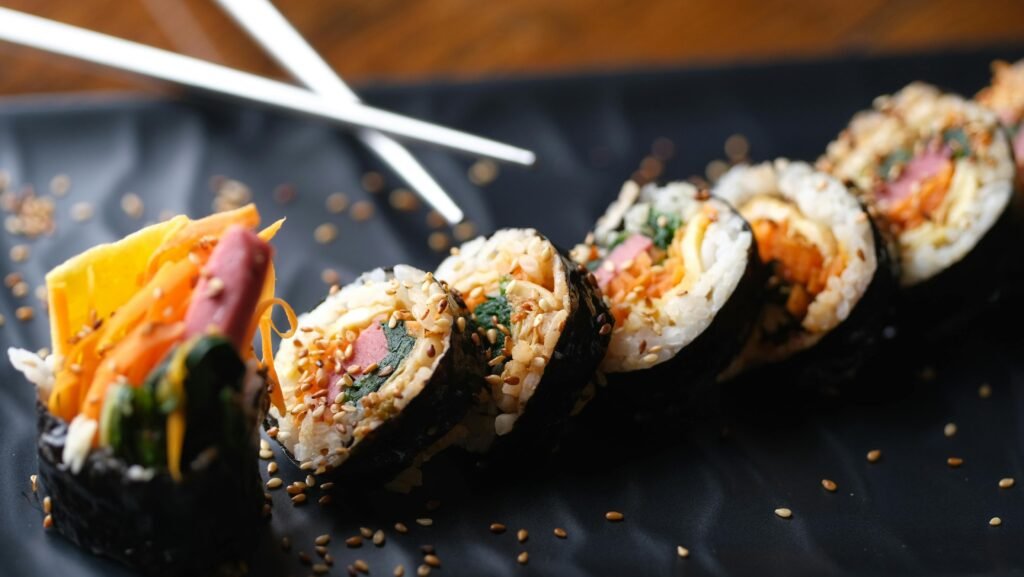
[
  {"x": 1005, "y": 96},
  {"x": 935, "y": 168},
  {"x": 150, "y": 403},
  {"x": 830, "y": 272},
  {"x": 544, "y": 327},
  {"x": 377, "y": 373},
  {"x": 680, "y": 273}
]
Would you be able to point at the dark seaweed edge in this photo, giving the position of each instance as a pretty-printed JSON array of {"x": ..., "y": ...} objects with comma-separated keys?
[
  {"x": 151, "y": 526},
  {"x": 445, "y": 399}
]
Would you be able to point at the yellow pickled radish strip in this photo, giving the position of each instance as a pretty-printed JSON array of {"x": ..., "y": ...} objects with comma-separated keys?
[
  {"x": 176, "y": 374},
  {"x": 692, "y": 241},
  {"x": 184, "y": 240}
]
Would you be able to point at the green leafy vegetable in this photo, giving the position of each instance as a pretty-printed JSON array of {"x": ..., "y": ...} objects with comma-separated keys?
[
  {"x": 400, "y": 345},
  {"x": 896, "y": 158},
  {"x": 663, "y": 227},
  {"x": 620, "y": 237},
  {"x": 956, "y": 139}
]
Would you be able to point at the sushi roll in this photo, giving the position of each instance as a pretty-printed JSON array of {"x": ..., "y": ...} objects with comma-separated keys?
[
  {"x": 149, "y": 405},
  {"x": 680, "y": 273},
  {"x": 937, "y": 173},
  {"x": 1005, "y": 97},
  {"x": 544, "y": 327},
  {"x": 830, "y": 273},
  {"x": 378, "y": 372}
]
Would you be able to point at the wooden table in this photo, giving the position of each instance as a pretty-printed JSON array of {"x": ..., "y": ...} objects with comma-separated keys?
[{"x": 400, "y": 40}]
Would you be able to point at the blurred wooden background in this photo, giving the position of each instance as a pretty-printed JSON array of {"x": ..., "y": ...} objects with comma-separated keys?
[{"x": 400, "y": 40}]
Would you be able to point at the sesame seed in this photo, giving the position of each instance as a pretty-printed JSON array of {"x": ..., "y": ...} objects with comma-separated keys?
[
  {"x": 310, "y": 481},
  {"x": 266, "y": 454},
  {"x": 304, "y": 558},
  {"x": 614, "y": 516},
  {"x": 560, "y": 533},
  {"x": 829, "y": 485},
  {"x": 874, "y": 455},
  {"x": 132, "y": 205},
  {"x": 325, "y": 233},
  {"x": 995, "y": 521},
  {"x": 423, "y": 571},
  {"x": 34, "y": 481},
  {"x": 372, "y": 182},
  {"x": 784, "y": 512},
  {"x": 320, "y": 568},
  {"x": 378, "y": 538},
  {"x": 401, "y": 528},
  {"x": 329, "y": 276},
  {"x": 354, "y": 542},
  {"x": 327, "y": 486},
  {"x": 1006, "y": 483},
  {"x": 497, "y": 528},
  {"x": 424, "y": 521},
  {"x": 522, "y": 535},
  {"x": 650, "y": 358},
  {"x": 683, "y": 552},
  {"x": 438, "y": 241},
  {"x": 464, "y": 231},
  {"x": 366, "y": 532},
  {"x": 736, "y": 147},
  {"x": 81, "y": 211},
  {"x": 286, "y": 543},
  {"x": 323, "y": 539},
  {"x": 605, "y": 329},
  {"x": 954, "y": 462},
  {"x": 435, "y": 219},
  {"x": 324, "y": 500},
  {"x": 399, "y": 571},
  {"x": 337, "y": 202},
  {"x": 361, "y": 566},
  {"x": 427, "y": 549},
  {"x": 362, "y": 211},
  {"x": 24, "y": 314},
  {"x": 274, "y": 483},
  {"x": 47, "y": 521},
  {"x": 20, "y": 252},
  {"x": 47, "y": 505},
  {"x": 20, "y": 290},
  {"x": 432, "y": 560},
  {"x": 985, "y": 391},
  {"x": 272, "y": 467},
  {"x": 403, "y": 199},
  {"x": 523, "y": 558},
  {"x": 483, "y": 172},
  {"x": 949, "y": 430},
  {"x": 60, "y": 185},
  {"x": 299, "y": 499}
]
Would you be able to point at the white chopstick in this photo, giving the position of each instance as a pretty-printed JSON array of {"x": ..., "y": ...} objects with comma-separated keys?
[
  {"x": 280, "y": 39},
  {"x": 50, "y": 36}
]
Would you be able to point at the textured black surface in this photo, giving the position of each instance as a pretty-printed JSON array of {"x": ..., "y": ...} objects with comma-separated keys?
[{"x": 909, "y": 514}]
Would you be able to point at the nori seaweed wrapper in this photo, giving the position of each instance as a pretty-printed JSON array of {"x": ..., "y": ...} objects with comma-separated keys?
[
  {"x": 202, "y": 525},
  {"x": 445, "y": 399},
  {"x": 579, "y": 351}
]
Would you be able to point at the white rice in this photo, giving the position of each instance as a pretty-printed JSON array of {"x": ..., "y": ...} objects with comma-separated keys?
[
  {"x": 656, "y": 331},
  {"x": 311, "y": 431},
  {"x": 538, "y": 296},
  {"x": 827, "y": 215},
  {"x": 982, "y": 183}
]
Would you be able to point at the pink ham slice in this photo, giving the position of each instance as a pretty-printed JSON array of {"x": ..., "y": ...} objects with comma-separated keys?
[
  {"x": 1018, "y": 145},
  {"x": 922, "y": 167},
  {"x": 370, "y": 347},
  {"x": 628, "y": 250},
  {"x": 226, "y": 295}
]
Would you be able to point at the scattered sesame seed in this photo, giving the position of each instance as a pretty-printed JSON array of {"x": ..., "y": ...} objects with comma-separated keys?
[
  {"x": 995, "y": 521},
  {"x": 299, "y": 499},
  {"x": 464, "y": 231},
  {"x": 324, "y": 500},
  {"x": 132, "y": 205},
  {"x": 81, "y": 211},
  {"x": 310, "y": 481},
  {"x": 522, "y": 535},
  {"x": 954, "y": 462},
  {"x": 354, "y": 542},
  {"x": 337, "y": 202},
  {"x": 304, "y": 558},
  {"x": 401, "y": 528},
  {"x": 483, "y": 172},
  {"x": 423, "y": 571},
  {"x": 361, "y": 566},
  {"x": 284, "y": 193},
  {"x": 949, "y": 430},
  {"x": 47, "y": 521},
  {"x": 614, "y": 516},
  {"x": 874, "y": 455},
  {"x": 34, "y": 481},
  {"x": 24, "y": 314},
  {"x": 330, "y": 276},
  {"x": 829, "y": 485},
  {"x": 320, "y": 568},
  {"x": 274, "y": 483},
  {"x": 523, "y": 558},
  {"x": 683, "y": 552},
  {"x": 404, "y": 200},
  {"x": 424, "y": 521},
  {"x": 20, "y": 290},
  {"x": 438, "y": 241},
  {"x": 399, "y": 571},
  {"x": 366, "y": 532},
  {"x": 985, "y": 391},
  {"x": 323, "y": 539},
  {"x": 266, "y": 454},
  {"x": 737, "y": 147},
  {"x": 47, "y": 505},
  {"x": 20, "y": 252},
  {"x": 427, "y": 549},
  {"x": 560, "y": 533},
  {"x": 497, "y": 528},
  {"x": 435, "y": 219},
  {"x": 373, "y": 182},
  {"x": 1006, "y": 482},
  {"x": 432, "y": 560},
  {"x": 325, "y": 233},
  {"x": 715, "y": 169},
  {"x": 272, "y": 467},
  {"x": 60, "y": 185},
  {"x": 362, "y": 211},
  {"x": 784, "y": 512}
]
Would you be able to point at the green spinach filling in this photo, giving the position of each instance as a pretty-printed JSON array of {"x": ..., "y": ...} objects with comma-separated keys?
[{"x": 400, "y": 345}]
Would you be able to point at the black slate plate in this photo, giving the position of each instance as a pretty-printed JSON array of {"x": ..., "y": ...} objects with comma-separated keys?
[{"x": 710, "y": 484}]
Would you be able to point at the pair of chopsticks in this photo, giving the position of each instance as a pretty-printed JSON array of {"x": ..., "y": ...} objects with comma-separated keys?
[{"x": 328, "y": 96}]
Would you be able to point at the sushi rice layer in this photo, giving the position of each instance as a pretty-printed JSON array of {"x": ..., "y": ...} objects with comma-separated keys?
[
  {"x": 686, "y": 253},
  {"x": 519, "y": 273},
  {"x": 324, "y": 419},
  {"x": 822, "y": 243},
  {"x": 937, "y": 167}
]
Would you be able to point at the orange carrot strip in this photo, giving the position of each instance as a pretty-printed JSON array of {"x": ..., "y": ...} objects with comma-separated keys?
[
  {"x": 267, "y": 234},
  {"x": 172, "y": 284},
  {"x": 68, "y": 388},
  {"x": 188, "y": 238}
]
